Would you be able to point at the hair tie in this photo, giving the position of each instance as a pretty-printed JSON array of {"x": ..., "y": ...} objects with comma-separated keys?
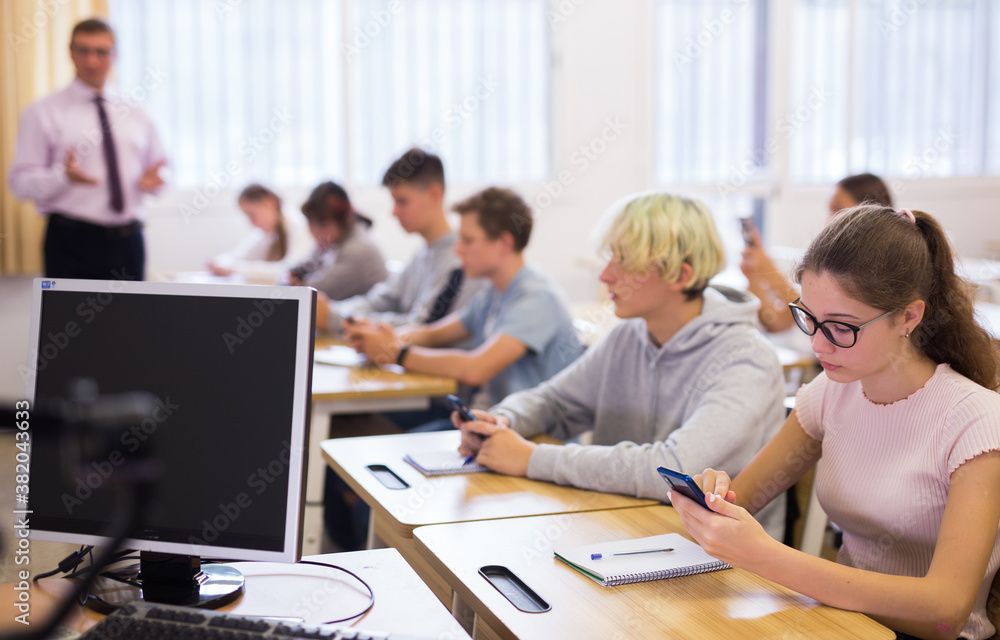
[{"x": 909, "y": 215}]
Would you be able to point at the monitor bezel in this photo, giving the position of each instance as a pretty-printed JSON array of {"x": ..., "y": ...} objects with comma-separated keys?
[{"x": 301, "y": 409}]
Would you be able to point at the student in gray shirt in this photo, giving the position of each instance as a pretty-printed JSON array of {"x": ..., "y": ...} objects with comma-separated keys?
[
  {"x": 685, "y": 381},
  {"x": 345, "y": 261},
  {"x": 520, "y": 328},
  {"x": 432, "y": 284}
]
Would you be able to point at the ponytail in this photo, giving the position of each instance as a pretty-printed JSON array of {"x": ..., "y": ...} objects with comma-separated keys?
[
  {"x": 949, "y": 331},
  {"x": 883, "y": 259}
]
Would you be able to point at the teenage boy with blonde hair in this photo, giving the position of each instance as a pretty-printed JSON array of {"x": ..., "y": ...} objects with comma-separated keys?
[{"x": 685, "y": 381}]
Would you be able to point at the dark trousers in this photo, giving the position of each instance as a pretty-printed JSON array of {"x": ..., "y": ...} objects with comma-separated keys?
[{"x": 77, "y": 249}]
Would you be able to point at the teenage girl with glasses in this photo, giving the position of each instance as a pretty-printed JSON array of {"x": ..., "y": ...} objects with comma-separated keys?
[{"x": 907, "y": 420}]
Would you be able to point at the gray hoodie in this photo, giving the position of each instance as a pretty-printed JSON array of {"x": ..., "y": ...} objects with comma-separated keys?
[{"x": 710, "y": 397}]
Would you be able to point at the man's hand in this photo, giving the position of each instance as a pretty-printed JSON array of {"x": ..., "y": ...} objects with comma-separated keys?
[
  {"x": 73, "y": 171},
  {"x": 151, "y": 180}
]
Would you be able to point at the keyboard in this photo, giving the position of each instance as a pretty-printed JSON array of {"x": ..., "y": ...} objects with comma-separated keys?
[{"x": 147, "y": 621}]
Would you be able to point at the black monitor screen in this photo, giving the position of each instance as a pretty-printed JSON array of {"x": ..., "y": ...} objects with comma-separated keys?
[{"x": 223, "y": 374}]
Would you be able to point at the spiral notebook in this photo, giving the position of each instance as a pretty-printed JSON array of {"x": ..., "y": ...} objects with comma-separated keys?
[
  {"x": 668, "y": 555},
  {"x": 440, "y": 463}
]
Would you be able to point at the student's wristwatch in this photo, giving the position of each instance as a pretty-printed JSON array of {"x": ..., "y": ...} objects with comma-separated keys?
[{"x": 403, "y": 350}]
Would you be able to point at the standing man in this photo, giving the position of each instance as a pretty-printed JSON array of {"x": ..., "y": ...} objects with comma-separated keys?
[{"x": 85, "y": 156}]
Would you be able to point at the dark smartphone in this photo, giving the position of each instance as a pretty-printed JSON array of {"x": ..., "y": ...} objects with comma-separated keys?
[
  {"x": 459, "y": 406},
  {"x": 746, "y": 228},
  {"x": 684, "y": 485}
]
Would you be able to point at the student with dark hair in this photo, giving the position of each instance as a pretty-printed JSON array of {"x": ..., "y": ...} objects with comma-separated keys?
[
  {"x": 520, "y": 327},
  {"x": 906, "y": 419},
  {"x": 432, "y": 284},
  {"x": 277, "y": 241},
  {"x": 345, "y": 262},
  {"x": 769, "y": 283},
  {"x": 685, "y": 380},
  {"x": 86, "y": 158}
]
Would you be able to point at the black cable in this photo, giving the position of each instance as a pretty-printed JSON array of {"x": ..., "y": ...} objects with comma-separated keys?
[
  {"x": 70, "y": 562},
  {"x": 120, "y": 533},
  {"x": 371, "y": 594}
]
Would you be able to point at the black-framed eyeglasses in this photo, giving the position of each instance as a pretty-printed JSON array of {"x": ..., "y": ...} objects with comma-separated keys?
[{"x": 841, "y": 334}]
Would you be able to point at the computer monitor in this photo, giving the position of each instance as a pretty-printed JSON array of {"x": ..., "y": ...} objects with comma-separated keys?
[{"x": 230, "y": 368}]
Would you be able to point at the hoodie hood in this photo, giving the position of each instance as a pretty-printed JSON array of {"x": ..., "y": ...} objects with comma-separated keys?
[{"x": 723, "y": 308}]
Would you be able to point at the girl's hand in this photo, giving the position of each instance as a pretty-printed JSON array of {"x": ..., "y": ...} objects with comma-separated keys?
[
  {"x": 717, "y": 482},
  {"x": 727, "y": 532}
]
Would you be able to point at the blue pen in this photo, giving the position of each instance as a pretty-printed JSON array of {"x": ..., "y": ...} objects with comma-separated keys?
[
  {"x": 472, "y": 458},
  {"x": 598, "y": 556}
]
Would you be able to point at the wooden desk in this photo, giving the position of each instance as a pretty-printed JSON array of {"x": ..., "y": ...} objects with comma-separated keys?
[
  {"x": 402, "y": 601},
  {"x": 346, "y": 390},
  {"x": 444, "y": 499},
  {"x": 724, "y": 604}
]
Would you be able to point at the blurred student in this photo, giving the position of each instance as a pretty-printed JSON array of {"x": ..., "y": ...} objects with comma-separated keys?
[
  {"x": 276, "y": 242},
  {"x": 344, "y": 262},
  {"x": 432, "y": 284},
  {"x": 684, "y": 379},
  {"x": 907, "y": 422},
  {"x": 520, "y": 327},
  {"x": 769, "y": 283}
]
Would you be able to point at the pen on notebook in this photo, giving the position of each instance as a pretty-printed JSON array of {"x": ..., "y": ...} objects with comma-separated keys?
[
  {"x": 472, "y": 458},
  {"x": 598, "y": 556}
]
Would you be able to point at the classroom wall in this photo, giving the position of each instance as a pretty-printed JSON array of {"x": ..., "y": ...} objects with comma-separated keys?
[{"x": 601, "y": 100}]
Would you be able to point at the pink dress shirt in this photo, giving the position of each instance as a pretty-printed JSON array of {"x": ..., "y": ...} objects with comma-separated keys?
[
  {"x": 68, "y": 118},
  {"x": 886, "y": 470}
]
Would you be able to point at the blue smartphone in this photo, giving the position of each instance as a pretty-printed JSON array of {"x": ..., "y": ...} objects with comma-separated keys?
[
  {"x": 684, "y": 485},
  {"x": 463, "y": 411}
]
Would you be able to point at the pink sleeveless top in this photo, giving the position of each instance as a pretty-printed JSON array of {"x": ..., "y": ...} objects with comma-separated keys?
[{"x": 886, "y": 470}]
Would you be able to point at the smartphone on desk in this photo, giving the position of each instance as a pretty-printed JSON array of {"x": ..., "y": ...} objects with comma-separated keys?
[{"x": 684, "y": 485}]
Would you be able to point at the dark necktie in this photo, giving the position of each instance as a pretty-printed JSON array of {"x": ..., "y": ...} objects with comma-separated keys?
[
  {"x": 446, "y": 299},
  {"x": 110, "y": 159}
]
